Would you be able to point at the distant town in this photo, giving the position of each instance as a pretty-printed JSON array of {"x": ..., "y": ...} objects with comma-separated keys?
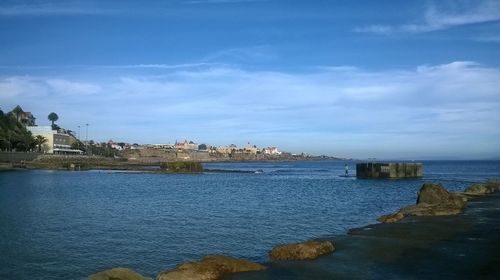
[{"x": 19, "y": 132}]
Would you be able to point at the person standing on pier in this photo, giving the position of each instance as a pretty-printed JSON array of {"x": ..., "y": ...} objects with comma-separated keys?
[{"x": 346, "y": 170}]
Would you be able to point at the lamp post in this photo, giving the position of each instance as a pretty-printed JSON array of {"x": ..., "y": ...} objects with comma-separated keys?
[{"x": 79, "y": 135}]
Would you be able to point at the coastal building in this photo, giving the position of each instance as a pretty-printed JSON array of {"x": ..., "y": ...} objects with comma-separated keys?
[
  {"x": 115, "y": 146},
  {"x": 57, "y": 142},
  {"x": 26, "y": 118},
  {"x": 163, "y": 146},
  {"x": 186, "y": 145},
  {"x": 271, "y": 151},
  {"x": 233, "y": 149}
]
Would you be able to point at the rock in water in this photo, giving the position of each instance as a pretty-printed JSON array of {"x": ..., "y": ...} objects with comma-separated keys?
[
  {"x": 432, "y": 194},
  {"x": 435, "y": 194},
  {"x": 433, "y": 200},
  {"x": 209, "y": 268},
  {"x": 118, "y": 273},
  {"x": 301, "y": 251},
  {"x": 391, "y": 218},
  {"x": 484, "y": 188}
]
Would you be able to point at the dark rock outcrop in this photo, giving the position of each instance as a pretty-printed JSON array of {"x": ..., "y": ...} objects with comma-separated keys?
[
  {"x": 209, "y": 268},
  {"x": 118, "y": 273},
  {"x": 301, "y": 251},
  {"x": 433, "y": 200}
]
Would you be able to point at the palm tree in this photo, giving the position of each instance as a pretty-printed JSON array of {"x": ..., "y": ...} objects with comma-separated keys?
[
  {"x": 53, "y": 117},
  {"x": 40, "y": 140}
]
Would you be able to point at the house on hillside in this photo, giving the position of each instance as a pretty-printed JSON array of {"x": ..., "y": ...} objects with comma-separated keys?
[
  {"x": 26, "y": 118},
  {"x": 271, "y": 151},
  {"x": 114, "y": 145},
  {"x": 186, "y": 145}
]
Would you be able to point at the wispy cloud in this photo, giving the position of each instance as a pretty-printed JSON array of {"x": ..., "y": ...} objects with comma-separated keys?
[
  {"x": 491, "y": 39},
  {"x": 49, "y": 8},
  {"x": 435, "y": 109},
  {"x": 117, "y": 66},
  {"x": 456, "y": 13},
  {"x": 220, "y": 1},
  {"x": 253, "y": 53}
]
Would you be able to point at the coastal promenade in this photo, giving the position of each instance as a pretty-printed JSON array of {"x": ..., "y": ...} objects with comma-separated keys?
[{"x": 464, "y": 246}]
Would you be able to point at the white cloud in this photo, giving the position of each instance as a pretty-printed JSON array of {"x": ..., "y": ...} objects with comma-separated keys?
[
  {"x": 65, "y": 87},
  {"x": 436, "y": 109},
  {"x": 456, "y": 13}
]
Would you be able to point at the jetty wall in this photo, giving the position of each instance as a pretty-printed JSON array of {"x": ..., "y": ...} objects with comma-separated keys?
[
  {"x": 376, "y": 170},
  {"x": 16, "y": 157}
]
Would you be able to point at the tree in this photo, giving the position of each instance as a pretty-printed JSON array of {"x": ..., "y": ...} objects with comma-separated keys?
[
  {"x": 78, "y": 145},
  {"x": 24, "y": 142},
  {"x": 53, "y": 117},
  {"x": 13, "y": 134},
  {"x": 39, "y": 141}
]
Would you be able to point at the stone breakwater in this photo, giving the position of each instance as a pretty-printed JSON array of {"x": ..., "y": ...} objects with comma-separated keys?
[{"x": 433, "y": 200}]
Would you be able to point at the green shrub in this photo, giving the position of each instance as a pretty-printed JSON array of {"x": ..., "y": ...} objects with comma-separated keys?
[{"x": 182, "y": 167}]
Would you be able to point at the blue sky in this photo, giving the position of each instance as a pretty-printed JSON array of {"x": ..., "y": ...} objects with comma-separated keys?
[{"x": 385, "y": 79}]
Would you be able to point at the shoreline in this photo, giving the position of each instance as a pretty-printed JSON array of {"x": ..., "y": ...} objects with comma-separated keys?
[{"x": 462, "y": 246}]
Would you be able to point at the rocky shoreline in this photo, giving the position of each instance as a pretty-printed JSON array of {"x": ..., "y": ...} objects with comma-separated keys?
[
  {"x": 433, "y": 200},
  {"x": 77, "y": 163}
]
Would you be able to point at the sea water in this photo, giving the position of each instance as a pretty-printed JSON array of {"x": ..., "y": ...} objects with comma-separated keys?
[{"x": 68, "y": 225}]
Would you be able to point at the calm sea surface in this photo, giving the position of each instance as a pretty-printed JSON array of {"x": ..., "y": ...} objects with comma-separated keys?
[{"x": 67, "y": 225}]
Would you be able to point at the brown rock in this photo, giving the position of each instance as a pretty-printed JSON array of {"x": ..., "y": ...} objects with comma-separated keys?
[
  {"x": 424, "y": 209},
  {"x": 484, "y": 188},
  {"x": 118, "y": 273},
  {"x": 391, "y": 218},
  {"x": 209, "y": 268},
  {"x": 433, "y": 200},
  {"x": 434, "y": 194},
  {"x": 301, "y": 251},
  {"x": 477, "y": 189}
]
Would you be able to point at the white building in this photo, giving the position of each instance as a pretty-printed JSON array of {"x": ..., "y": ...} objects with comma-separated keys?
[
  {"x": 271, "y": 151},
  {"x": 57, "y": 143}
]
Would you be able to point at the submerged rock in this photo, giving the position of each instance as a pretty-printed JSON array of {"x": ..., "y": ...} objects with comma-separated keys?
[
  {"x": 484, "y": 188},
  {"x": 424, "y": 209},
  {"x": 118, "y": 273},
  {"x": 301, "y": 251},
  {"x": 209, "y": 268},
  {"x": 391, "y": 218}
]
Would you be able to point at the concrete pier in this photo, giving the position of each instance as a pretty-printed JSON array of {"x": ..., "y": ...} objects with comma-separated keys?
[{"x": 374, "y": 170}]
